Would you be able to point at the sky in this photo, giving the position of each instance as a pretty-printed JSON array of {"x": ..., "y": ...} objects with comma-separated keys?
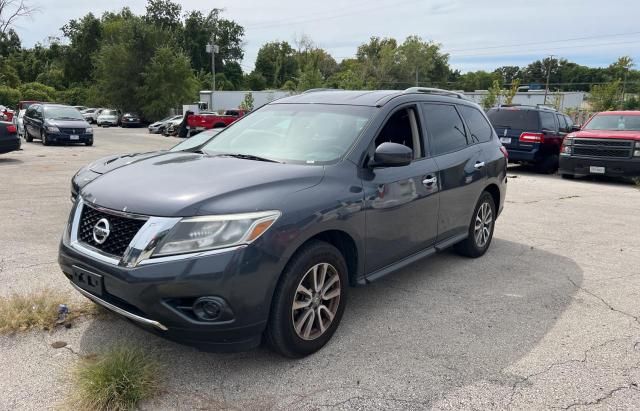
[{"x": 478, "y": 35}]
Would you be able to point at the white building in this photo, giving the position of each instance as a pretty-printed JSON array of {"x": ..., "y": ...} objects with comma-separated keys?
[
  {"x": 566, "y": 99},
  {"x": 223, "y": 100}
]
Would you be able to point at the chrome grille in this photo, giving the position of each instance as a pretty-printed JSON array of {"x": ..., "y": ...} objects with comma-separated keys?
[
  {"x": 122, "y": 230},
  {"x": 603, "y": 148}
]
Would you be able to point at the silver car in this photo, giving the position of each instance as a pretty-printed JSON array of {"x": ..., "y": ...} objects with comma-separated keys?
[
  {"x": 108, "y": 117},
  {"x": 160, "y": 126}
]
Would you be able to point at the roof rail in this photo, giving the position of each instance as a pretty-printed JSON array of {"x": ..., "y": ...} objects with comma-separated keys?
[
  {"x": 430, "y": 90},
  {"x": 314, "y": 90},
  {"x": 546, "y": 107}
]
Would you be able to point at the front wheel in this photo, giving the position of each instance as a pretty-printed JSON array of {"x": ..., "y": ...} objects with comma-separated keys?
[
  {"x": 480, "y": 229},
  {"x": 44, "y": 139},
  {"x": 309, "y": 301}
]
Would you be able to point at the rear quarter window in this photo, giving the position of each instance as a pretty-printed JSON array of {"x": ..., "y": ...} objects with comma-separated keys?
[
  {"x": 479, "y": 128},
  {"x": 547, "y": 121}
]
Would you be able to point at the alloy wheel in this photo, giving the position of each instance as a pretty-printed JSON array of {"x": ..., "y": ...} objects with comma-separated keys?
[
  {"x": 484, "y": 222},
  {"x": 316, "y": 301}
]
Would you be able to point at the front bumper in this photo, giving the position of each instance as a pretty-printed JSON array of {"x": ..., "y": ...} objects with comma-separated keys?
[
  {"x": 581, "y": 166},
  {"x": 102, "y": 123},
  {"x": 153, "y": 296},
  {"x": 66, "y": 138}
]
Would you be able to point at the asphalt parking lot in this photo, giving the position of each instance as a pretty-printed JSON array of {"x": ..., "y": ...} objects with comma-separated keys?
[{"x": 549, "y": 318}]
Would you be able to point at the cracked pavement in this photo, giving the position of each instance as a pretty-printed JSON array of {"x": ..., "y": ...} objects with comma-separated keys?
[{"x": 548, "y": 319}]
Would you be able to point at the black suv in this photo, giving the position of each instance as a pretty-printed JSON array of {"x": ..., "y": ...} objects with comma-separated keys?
[
  {"x": 531, "y": 134},
  {"x": 260, "y": 231},
  {"x": 56, "y": 123}
]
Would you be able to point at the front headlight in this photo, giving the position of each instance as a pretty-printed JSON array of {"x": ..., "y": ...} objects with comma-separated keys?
[
  {"x": 211, "y": 232},
  {"x": 89, "y": 130},
  {"x": 637, "y": 144},
  {"x": 53, "y": 129}
]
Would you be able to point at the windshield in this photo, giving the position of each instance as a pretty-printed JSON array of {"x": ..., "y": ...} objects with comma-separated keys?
[
  {"x": 197, "y": 140},
  {"x": 299, "y": 133},
  {"x": 62, "y": 113},
  {"x": 614, "y": 122},
  {"x": 108, "y": 112}
]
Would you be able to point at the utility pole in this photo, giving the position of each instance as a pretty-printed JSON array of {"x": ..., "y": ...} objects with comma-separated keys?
[
  {"x": 624, "y": 85},
  {"x": 213, "y": 49},
  {"x": 546, "y": 89}
]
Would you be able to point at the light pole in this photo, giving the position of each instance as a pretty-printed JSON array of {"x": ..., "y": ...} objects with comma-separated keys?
[
  {"x": 213, "y": 49},
  {"x": 546, "y": 89}
]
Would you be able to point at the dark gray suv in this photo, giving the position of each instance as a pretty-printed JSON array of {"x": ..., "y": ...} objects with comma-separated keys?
[{"x": 259, "y": 232}]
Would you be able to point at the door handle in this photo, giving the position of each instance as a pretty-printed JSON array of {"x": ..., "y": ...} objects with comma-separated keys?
[
  {"x": 479, "y": 165},
  {"x": 429, "y": 181}
]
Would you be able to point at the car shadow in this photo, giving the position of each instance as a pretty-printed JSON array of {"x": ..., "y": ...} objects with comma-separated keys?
[
  {"x": 10, "y": 161},
  {"x": 437, "y": 325}
]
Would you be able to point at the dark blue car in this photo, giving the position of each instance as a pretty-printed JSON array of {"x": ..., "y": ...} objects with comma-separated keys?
[
  {"x": 56, "y": 123},
  {"x": 259, "y": 232}
]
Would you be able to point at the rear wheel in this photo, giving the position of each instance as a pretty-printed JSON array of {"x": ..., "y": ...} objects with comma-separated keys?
[
  {"x": 567, "y": 176},
  {"x": 309, "y": 301},
  {"x": 27, "y": 136},
  {"x": 480, "y": 229}
]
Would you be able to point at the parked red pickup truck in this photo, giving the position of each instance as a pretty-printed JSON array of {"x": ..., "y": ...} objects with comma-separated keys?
[
  {"x": 206, "y": 121},
  {"x": 608, "y": 144}
]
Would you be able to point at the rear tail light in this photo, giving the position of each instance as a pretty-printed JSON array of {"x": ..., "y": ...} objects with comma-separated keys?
[
  {"x": 11, "y": 128},
  {"x": 527, "y": 137},
  {"x": 504, "y": 151}
]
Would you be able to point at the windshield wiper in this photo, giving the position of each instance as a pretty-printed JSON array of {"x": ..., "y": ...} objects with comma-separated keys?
[{"x": 250, "y": 157}]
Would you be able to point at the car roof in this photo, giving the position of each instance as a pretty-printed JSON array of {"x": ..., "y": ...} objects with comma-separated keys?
[
  {"x": 620, "y": 113},
  {"x": 519, "y": 107},
  {"x": 355, "y": 98}
]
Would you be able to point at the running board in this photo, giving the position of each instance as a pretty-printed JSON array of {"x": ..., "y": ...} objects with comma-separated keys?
[{"x": 441, "y": 246}]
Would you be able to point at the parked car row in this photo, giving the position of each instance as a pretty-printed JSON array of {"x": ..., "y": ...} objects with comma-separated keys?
[{"x": 608, "y": 144}]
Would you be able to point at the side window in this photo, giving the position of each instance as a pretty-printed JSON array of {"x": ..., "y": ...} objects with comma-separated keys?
[
  {"x": 562, "y": 123},
  {"x": 547, "y": 121},
  {"x": 446, "y": 132},
  {"x": 569, "y": 122},
  {"x": 479, "y": 129},
  {"x": 402, "y": 128}
]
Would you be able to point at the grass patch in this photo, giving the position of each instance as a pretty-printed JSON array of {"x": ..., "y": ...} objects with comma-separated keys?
[
  {"x": 116, "y": 380},
  {"x": 39, "y": 310}
]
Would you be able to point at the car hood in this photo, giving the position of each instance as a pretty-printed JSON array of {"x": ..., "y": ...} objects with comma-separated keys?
[
  {"x": 109, "y": 163},
  {"x": 187, "y": 184},
  {"x": 618, "y": 134}
]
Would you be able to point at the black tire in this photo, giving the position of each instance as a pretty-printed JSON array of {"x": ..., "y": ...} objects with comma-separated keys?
[
  {"x": 27, "y": 136},
  {"x": 88, "y": 143},
  {"x": 549, "y": 165},
  {"x": 280, "y": 334},
  {"x": 43, "y": 138},
  {"x": 470, "y": 247}
]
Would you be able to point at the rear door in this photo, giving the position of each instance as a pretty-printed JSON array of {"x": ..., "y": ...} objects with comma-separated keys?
[
  {"x": 511, "y": 122},
  {"x": 461, "y": 168},
  {"x": 550, "y": 127}
]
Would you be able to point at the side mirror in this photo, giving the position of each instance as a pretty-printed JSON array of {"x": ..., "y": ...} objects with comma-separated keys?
[
  {"x": 576, "y": 127},
  {"x": 392, "y": 155}
]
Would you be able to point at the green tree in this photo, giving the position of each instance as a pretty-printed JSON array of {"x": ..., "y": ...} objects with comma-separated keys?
[
  {"x": 85, "y": 38},
  {"x": 9, "y": 96},
  {"x": 37, "y": 91},
  {"x": 511, "y": 93},
  {"x": 168, "y": 81},
  {"x": 423, "y": 62},
  {"x": 247, "y": 103},
  {"x": 605, "y": 97},
  {"x": 255, "y": 81},
  {"x": 164, "y": 13},
  {"x": 493, "y": 97},
  {"x": 276, "y": 62},
  {"x": 54, "y": 77},
  {"x": 310, "y": 78}
]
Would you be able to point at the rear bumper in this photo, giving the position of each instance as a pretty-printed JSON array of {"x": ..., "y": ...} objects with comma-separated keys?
[
  {"x": 580, "y": 166},
  {"x": 12, "y": 144},
  {"x": 531, "y": 156}
]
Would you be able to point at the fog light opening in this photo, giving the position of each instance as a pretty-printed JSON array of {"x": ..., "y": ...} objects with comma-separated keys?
[{"x": 207, "y": 308}]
